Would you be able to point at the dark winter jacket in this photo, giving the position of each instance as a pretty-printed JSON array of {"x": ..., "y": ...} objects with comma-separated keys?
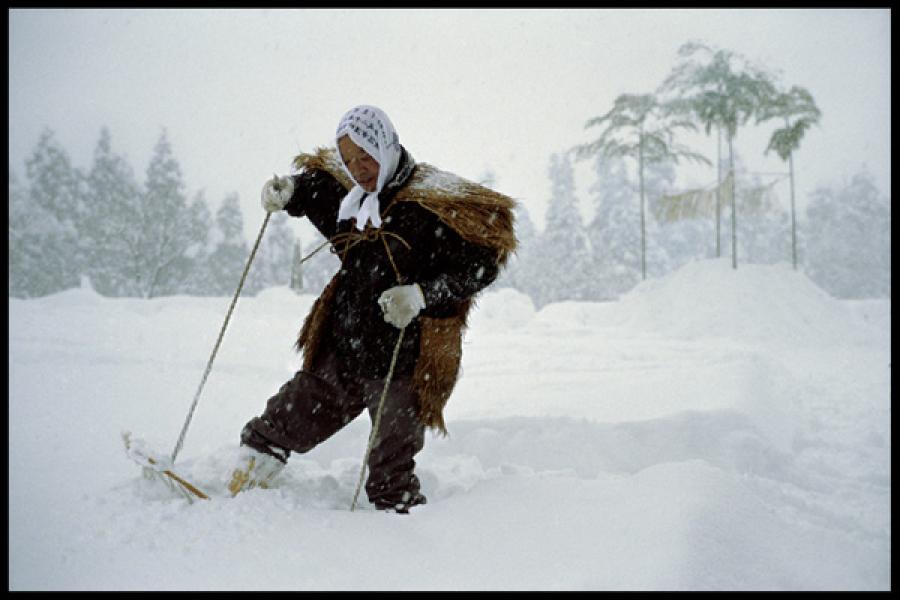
[{"x": 419, "y": 242}]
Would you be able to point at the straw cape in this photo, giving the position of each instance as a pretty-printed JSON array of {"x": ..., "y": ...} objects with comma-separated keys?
[{"x": 480, "y": 216}]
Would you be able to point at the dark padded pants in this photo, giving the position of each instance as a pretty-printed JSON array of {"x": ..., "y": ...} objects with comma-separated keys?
[{"x": 314, "y": 405}]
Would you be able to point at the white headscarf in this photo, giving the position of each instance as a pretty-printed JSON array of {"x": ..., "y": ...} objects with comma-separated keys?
[{"x": 370, "y": 129}]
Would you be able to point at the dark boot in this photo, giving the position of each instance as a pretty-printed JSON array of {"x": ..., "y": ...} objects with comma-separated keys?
[{"x": 402, "y": 507}]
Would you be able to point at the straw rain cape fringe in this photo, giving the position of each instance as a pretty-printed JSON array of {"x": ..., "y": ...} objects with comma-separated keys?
[{"x": 480, "y": 216}]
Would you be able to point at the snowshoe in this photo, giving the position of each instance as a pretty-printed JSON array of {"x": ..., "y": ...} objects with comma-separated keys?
[{"x": 155, "y": 467}]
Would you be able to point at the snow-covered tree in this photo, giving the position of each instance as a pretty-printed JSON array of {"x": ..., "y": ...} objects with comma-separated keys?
[
  {"x": 638, "y": 126},
  {"x": 187, "y": 272},
  {"x": 107, "y": 231},
  {"x": 273, "y": 263},
  {"x": 614, "y": 231},
  {"x": 44, "y": 222},
  {"x": 563, "y": 260},
  {"x": 225, "y": 264},
  {"x": 170, "y": 232},
  {"x": 848, "y": 240},
  {"x": 32, "y": 230}
]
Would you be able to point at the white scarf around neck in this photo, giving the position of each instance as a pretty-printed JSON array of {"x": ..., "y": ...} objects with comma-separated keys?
[{"x": 370, "y": 129}]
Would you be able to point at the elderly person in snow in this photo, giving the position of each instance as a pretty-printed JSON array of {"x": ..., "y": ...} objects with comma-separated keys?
[{"x": 416, "y": 245}]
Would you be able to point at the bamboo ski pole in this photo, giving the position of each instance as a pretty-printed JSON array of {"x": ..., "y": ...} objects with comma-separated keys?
[
  {"x": 212, "y": 357},
  {"x": 377, "y": 422}
]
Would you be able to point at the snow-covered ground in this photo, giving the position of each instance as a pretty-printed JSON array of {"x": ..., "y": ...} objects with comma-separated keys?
[{"x": 712, "y": 430}]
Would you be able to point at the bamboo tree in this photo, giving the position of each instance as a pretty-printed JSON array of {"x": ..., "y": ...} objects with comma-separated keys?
[
  {"x": 722, "y": 92},
  {"x": 638, "y": 127},
  {"x": 798, "y": 110}
]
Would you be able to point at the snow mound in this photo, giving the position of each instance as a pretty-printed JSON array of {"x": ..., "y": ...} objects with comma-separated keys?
[
  {"x": 84, "y": 295},
  {"x": 503, "y": 308},
  {"x": 753, "y": 302},
  {"x": 276, "y": 300},
  {"x": 575, "y": 315},
  {"x": 278, "y": 294}
]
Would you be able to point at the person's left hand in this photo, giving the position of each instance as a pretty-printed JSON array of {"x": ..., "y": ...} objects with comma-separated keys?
[{"x": 401, "y": 304}]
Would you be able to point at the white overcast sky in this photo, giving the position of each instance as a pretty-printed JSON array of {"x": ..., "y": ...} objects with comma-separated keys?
[{"x": 241, "y": 91}]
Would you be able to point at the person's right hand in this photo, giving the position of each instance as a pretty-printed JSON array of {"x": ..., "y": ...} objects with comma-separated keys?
[{"x": 277, "y": 192}]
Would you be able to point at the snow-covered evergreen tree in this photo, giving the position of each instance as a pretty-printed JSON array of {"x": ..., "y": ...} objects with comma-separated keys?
[
  {"x": 32, "y": 229},
  {"x": 615, "y": 230},
  {"x": 187, "y": 274},
  {"x": 171, "y": 232},
  {"x": 108, "y": 230},
  {"x": 274, "y": 260},
  {"x": 563, "y": 258},
  {"x": 48, "y": 255},
  {"x": 847, "y": 240},
  {"x": 223, "y": 267},
  {"x": 18, "y": 223}
]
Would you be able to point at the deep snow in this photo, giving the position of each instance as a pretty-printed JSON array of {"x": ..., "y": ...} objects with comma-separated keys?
[{"x": 712, "y": 430}]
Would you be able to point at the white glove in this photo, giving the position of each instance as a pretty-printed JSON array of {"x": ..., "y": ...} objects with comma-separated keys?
[
  {"x": 401, "y": 304},
  {"x": 277, "y": 192}
]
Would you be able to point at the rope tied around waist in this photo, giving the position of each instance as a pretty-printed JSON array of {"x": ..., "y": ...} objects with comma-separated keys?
[{"x": 351, "y": 238}]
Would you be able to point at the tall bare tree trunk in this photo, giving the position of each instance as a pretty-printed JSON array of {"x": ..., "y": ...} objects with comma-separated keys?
[
  {"x": 643, "y": 228},
  {"x": 719, "y": 193},
  {"x": 733, "y": 202},
  {"x": 793, "y": 213}
]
